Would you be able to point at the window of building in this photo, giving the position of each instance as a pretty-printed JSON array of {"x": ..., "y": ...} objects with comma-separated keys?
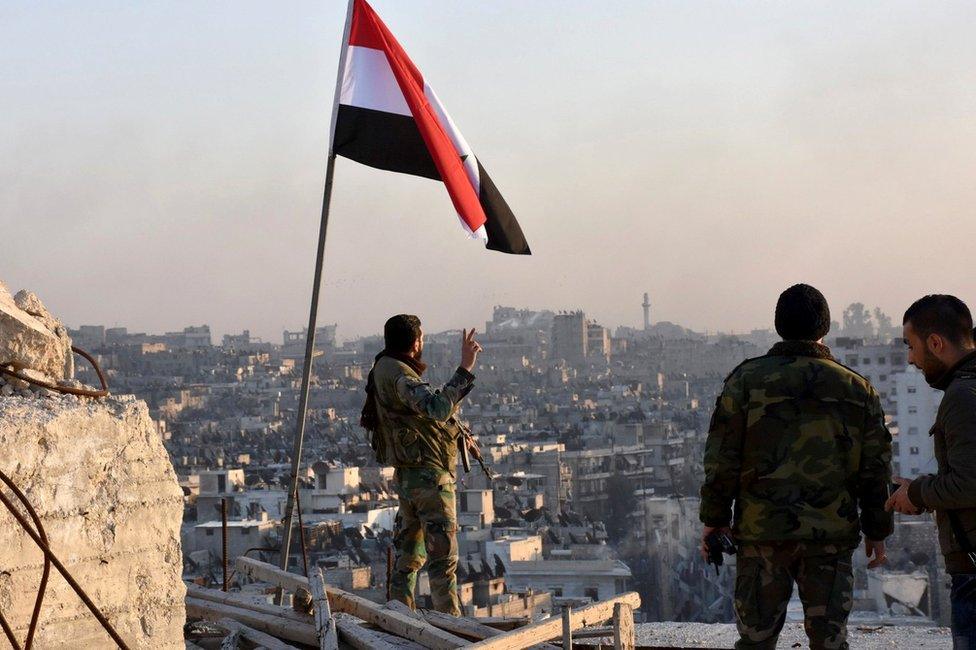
[
  {"x": 913, "y": 409},
  {"x": 913, "y": 451},
  {"x": 912, "y": 389},
  {"x": 557, "y": 592},
  {"x": 882, "y": 361},
  {"x": 915, "y": 471},
  {"x": 866, "y": 361},
  {"x": 593, "y": 593},
  {"x": 246, "y": 530},
  {"x": 209, "y": 532},
  {"x": 883, "y": 377},
  {"x": 894, "y": 448},
  {"x": 912, "y": 431}
]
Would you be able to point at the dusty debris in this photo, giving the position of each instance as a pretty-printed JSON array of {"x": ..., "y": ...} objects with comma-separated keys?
[{"x": 361, "y": 623}]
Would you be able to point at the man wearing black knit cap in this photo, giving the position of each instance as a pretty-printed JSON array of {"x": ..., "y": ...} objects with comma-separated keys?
[{"x": 797, "y": 466}]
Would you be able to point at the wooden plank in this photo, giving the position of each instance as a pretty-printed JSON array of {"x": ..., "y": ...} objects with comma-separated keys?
[
  {"x": 398, "y": 642},
  {"x": 567, "y": 628},
  {"x": 403, "y": 608},
  {"x": 594, "y": 632},
  {"x": 236, "y": 599},
  {"x": 254, "y": 636},
  {"x": 465, "y": 627},
  {"x": 623, "y": 627},
  {"x": 342, "y": 601},
  {"x": 231, "y": 641},
  {"x": 275, "y": 625},
  {"x": 551, "y": 628},
  {"x": 353, "y": 634},
  {"x": 324, "y": 625},
  {"x": 257, "y": 570},
  {"x": 469, "y": 628},
  {"x": 504, "y": 623}
]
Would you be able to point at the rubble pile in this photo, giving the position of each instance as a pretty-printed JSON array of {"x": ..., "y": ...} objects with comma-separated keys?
[
  {"x": 97, "y": 474},
  {"x": 329, "y": 618}
]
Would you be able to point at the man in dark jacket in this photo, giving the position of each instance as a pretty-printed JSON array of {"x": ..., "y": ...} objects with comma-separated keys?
[
  {"x": 938, "y": 330},
  {"x": 798, "y": 463}
]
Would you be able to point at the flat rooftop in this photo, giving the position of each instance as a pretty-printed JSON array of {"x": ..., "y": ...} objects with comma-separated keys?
[{"x": 861, "y": 637}]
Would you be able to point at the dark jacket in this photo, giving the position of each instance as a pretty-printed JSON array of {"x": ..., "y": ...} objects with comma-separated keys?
[
  {"x": 954, "y": 487},
  {"x": 797, "y": 450}
]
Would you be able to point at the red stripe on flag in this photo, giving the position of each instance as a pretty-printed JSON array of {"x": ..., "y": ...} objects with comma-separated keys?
[{"x": 368, "y": 30}]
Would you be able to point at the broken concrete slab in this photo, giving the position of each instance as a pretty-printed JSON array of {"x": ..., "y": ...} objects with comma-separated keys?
[
  {"x": 104, "y": 488},
  {"x": 32, "y": 338}
]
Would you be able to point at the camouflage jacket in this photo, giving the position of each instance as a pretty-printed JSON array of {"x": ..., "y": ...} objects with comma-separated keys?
[
  {"x": 416, "y": 419},
  {"x": 797, "y": 445}
]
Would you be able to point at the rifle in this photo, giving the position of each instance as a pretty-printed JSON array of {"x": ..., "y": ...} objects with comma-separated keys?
[{"x": 462, "y": 443}]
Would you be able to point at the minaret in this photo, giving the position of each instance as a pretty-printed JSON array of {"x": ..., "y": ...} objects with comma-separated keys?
[{"x": 647, "y": 311}]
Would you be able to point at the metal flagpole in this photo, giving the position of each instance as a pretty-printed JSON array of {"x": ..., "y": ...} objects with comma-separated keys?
[{"x": 296, "y": 457}]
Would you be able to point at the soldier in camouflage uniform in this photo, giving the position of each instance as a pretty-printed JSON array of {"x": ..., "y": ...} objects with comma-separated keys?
[
  {"x": 414, "y": 430},
  {"x": 797, "y": 465}
]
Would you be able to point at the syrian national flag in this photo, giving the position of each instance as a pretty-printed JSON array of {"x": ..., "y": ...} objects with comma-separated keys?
[{"x": 389, "y": 118}]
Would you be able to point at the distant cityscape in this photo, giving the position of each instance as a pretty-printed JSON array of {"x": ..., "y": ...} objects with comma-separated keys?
[{"x": 596, "y": 437}]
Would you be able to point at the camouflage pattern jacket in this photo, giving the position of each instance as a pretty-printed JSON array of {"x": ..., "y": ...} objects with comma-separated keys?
[
  {"x": 798, "y": 445},
  {"x": 416, "y": 419}
]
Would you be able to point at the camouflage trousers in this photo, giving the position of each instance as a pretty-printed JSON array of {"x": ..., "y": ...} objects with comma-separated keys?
[
  {"x": 426, "y": 530},
  {"x": 765, "y": 574}
]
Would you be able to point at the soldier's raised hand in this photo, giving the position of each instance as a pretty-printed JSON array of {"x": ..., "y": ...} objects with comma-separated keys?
[{"x": 469, "y": 350}]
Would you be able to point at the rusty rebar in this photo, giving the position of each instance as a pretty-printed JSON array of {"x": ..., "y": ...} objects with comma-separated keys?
[
  {"x": 69, "y": 390},
  {"x": 45, "y": 573},
  {"x": 10, "y": 633},
  {"x": 223, "y": 538},
  {"x": 49, "y": 554}
]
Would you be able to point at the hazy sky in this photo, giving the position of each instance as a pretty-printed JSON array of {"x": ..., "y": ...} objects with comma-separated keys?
[{"x": 161, "y": 164}]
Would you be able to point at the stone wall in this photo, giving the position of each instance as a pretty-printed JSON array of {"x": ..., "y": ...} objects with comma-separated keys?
[{"x": 102, "y": 483}]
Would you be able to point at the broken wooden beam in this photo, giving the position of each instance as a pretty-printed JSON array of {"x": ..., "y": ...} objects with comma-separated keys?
[
  {"x": 342, "y": 601},
  {"x": 239, "y": 600},
  {"x": 624, "y": 635},
  {"x": 355, "y": 635},
  {"x": 256, "y": 637},
  {"x": 594, "y": 632},
  {"x": 324, "y": 625},
  {"x": 278, "y": 626},
  {"x": 465, "y": 627},
  {"x": 552, "y": 628},
  {"x": 469, "y": 628}
]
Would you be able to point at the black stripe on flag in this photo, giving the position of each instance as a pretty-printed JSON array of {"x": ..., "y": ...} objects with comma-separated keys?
[
  {"x": 383, "y": 140},
  {"x": 504, "y": 233}
]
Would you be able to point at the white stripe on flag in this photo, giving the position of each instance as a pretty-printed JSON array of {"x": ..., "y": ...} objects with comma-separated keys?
[
  {"x": 460, "y": 144},
  {"x": 463, "y": 150},
  {"x": 368, "y": 82}
]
